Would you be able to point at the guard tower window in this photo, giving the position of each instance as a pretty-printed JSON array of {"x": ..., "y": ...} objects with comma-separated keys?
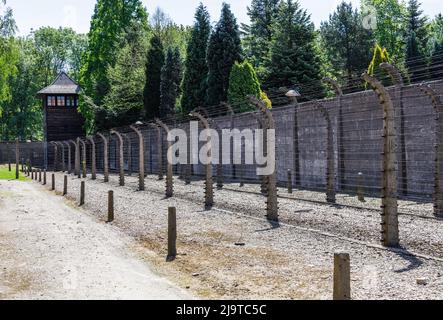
[
  {"x": 51, "y": 101},
  {"x": 71, "y": 101},
  {"x": 60, "y": 101}
]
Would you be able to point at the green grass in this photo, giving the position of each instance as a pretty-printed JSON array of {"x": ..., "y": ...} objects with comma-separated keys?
[{"x": 6, "y": 175}]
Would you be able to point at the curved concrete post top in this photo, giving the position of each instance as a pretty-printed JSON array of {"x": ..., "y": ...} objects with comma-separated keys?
[
  {"x": 378, "y": 87},
  {"x": 162, "y": 125},
  {"x": 334, "y": 84},
  {"x": 393, "y": 72},
  {"x": 262, "y": 107},
  {"x": 433, "y": 95},
  {"x": 200, "y": 117}
]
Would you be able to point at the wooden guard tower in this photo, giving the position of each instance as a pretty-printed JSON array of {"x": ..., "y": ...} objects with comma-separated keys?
[{"x": 62, "y": 121}]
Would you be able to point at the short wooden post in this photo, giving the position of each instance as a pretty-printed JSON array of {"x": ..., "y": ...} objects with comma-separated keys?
[
  {"x": 110, "y": 206},
  {"x": 289, "y": 181},
  {"x": 39, "y": 175},
  {"x": 28, "y": 167},
  {"x": 23, "y": 165},
  {"x": 17, "y": 160},
  {"x": 361, "y": 187},
  {"x": 53, "y": 182},
  {"x": 65, "y": 185},
  {"x": 44, "y": 177},
  {"x": 172, "y": 234},
  {"x": 342, "y": 277},
  {"x": 82, "y": 193}
]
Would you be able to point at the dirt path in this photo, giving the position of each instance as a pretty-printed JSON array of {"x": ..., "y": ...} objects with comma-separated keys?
[{"x": 49, "y": 250}]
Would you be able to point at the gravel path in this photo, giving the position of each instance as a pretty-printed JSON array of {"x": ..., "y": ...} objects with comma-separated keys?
[
  {"x": 50, "y": 250},
  {"x": 292, "y": 260}
]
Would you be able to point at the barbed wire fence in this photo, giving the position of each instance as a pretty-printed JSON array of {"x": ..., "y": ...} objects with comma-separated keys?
[{"x": 377, "y": 149}]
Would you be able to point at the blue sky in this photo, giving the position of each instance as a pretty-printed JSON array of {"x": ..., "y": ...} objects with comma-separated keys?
[{"x": 77, "y": 13}]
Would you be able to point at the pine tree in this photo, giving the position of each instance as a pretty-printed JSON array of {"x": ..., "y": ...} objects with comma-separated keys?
[
  {"x": 294, "y": 61},
  {"x": 171, "y": 77},
  {"x": 435, "y": 47},
  {"x": 196, "y": 66},
  {"x": 346, "y": 43},
  {"x": 259, "y": 34},
  {"x": 416, "y": 42},
  {"x": 243, "y": 82},
  {"x": 223, "y": 51},
  {"x": 154, "y": 64}
]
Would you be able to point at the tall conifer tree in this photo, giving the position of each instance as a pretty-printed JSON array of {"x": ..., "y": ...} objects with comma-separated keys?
[
  {"x": 196, "y": 66},
  {"x": 223, "y": 51},
  {"x": 154, "y": 65}
]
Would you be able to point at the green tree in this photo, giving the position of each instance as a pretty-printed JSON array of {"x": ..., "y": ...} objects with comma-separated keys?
[
  {"x": 243, "y": 82},
  {"x": 123, "y": 104},
  {"x": 171, "y": 77},
  {"x": 417, "y": 36},
  {"x": 8, "y": 53},
  {"x": 346, "y": 43},
  {"x": 390, "y": 27},
  {"x": 223, "y": 51},
  {"x": 294, "y": 60},
  {"x": 22, "y": 116},
  {"x": 435, "y": 48},
  {"x": 262, "y": 14},
  {"x": 154, "y": 64},
  {"x": 111, "y": 20},
  {"x": 57, "y": 50},
  {"x": 196, "y": 66}
]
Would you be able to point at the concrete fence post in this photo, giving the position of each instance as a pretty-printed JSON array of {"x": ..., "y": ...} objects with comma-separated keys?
[
  {"x": 262, "y": 126},
  {"x": 438, "y": 160},
  {"x": 83, "y": 161},
  {"x": 342, "y": 277},
  {"x": 62, "y": 147},
  {"x": 141, "y": 158},
  {"x": 390, "y": 233},
  {"x": 105, "y": 157},
  {"x": 330, "y": 159},
  {"x": 340, "y": 134},
  {"x": 121, "y": 157},
  {"x": 93, "y": 158},
  {"x": 65, "y": 185},
  {"x": 82, "y": 193},
  {"x": 110, "y": 206},
  {"x": 77, "y": 158},
  {"x": 397, "y": 79},
  {"x": 172, "y": 234},
  {"x": 68, "y": 145},
  {"x": 169, "y": 169},
  {"x": 209, "y": 191},
  {"x": 271, "y": 189},
  {"x": 55, "y": 145},
  {"x": 159, "y": 149}
]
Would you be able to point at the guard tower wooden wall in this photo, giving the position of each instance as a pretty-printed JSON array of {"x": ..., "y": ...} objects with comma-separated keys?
[{"x": 62, "y": 121}]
